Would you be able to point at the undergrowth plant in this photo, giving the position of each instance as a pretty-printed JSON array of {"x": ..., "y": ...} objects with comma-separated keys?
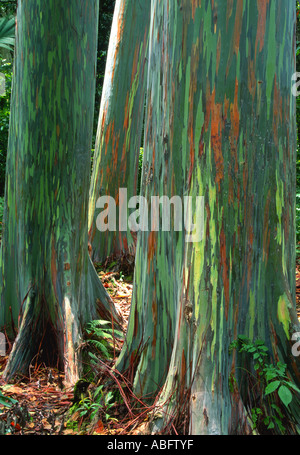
[
  {"x": 101, "y": 339},
  {"x": 96, "y": 406},
  {"x": 95, "y": 402},
  {"x": 271, "y": 390},
  {"x": 6, "y": 401}
]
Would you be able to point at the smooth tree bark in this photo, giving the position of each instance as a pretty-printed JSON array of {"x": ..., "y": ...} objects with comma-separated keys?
[
  {"x": 49, "y": 287},
  {"x": 220, "y": 123},
  {"x": 118, "y": 140}
]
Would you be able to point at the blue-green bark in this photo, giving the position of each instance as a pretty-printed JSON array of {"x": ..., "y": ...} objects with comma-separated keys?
[
  {"x": 220, "y": 123},
  {"x": 48, "y": 283},
  {"x": 117, "y": 148}
]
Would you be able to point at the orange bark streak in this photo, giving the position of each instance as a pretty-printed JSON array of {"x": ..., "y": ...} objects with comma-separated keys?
[
  {"x": 251, "y": 78},
  {"x": 215, "y": 110},
  {"x": 134, "y": 64},
  {"x": 192, "y": 91},
  {"x": 107, "y": 137},
  {"x": 235, "y": 127},
  {"x": 183, "y": 370},
  {"x": 196, "y": 4},
  {"x": 238, "y": 25},
  {"x": 151, "y": 247},
  {"x": 261, "y": 25}
]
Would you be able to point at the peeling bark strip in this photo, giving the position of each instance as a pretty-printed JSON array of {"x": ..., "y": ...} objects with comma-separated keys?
[
  {"x": 219, "y": 88},
  {"x": 45, "y": 240},
  {"x": 120, "y": 123}
]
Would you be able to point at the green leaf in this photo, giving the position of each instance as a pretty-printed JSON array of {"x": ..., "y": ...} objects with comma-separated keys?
[
  {"x": 6, "y": 401},
  {"x": 277, "y": 409},
  {"x": 263, "y": 348},
  {"x": 279, "y": 424},
  {"x": 272, "y": 387},
  {"x": 292, "y": 386},
  {"x": 257, "y": 356},
  {"x": 267, "y": 420},
  {"x": 285, "y": 395},
  {"x": 259, "y": 342},
  {"x": 270, "y": 375},
  {"x": 93, "y": 357},
  {"x": 281, "y": 368},
  {"x": 7, "y": 32}
]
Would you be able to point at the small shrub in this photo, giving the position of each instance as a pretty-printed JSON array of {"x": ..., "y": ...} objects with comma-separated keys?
[
  {"x": 271, "y": 390},
  {"x": 101, "y": 336},
  {"x": 6, "y": 401},
  {"x": 99, "y": 405}
]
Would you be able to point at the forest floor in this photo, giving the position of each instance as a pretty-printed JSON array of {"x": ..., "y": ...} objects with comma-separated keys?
[{"x": 44, "y": 406}]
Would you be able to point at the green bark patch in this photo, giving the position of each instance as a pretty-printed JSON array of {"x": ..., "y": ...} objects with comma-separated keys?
[{"x": 48, "y": 283}]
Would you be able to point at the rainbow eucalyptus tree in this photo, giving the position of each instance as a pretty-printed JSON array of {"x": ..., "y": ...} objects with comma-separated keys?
[
  {"x": 118, "y": 140},
  {"x": 49, "y": 288},
  {"x": 220, "y": 124}
]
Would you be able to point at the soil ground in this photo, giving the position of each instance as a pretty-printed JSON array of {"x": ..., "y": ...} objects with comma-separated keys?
[{"x": 43, "y": 402}]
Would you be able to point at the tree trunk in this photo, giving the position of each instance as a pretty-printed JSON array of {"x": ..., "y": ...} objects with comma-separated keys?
[
  {"x": 120, "y": 124},
  {"x": 220, "y": 123},
  {"x": 48, "y": 284}
]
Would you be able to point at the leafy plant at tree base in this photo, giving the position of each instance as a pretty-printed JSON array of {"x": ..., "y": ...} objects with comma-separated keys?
[
  {"x": 272, "y": 391},
  {"x": 94, "y": 407},
  {"x": 100, "y": 403},
  {"x": 6, "y": 401},
  {"x": 101, "y": 336}
]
